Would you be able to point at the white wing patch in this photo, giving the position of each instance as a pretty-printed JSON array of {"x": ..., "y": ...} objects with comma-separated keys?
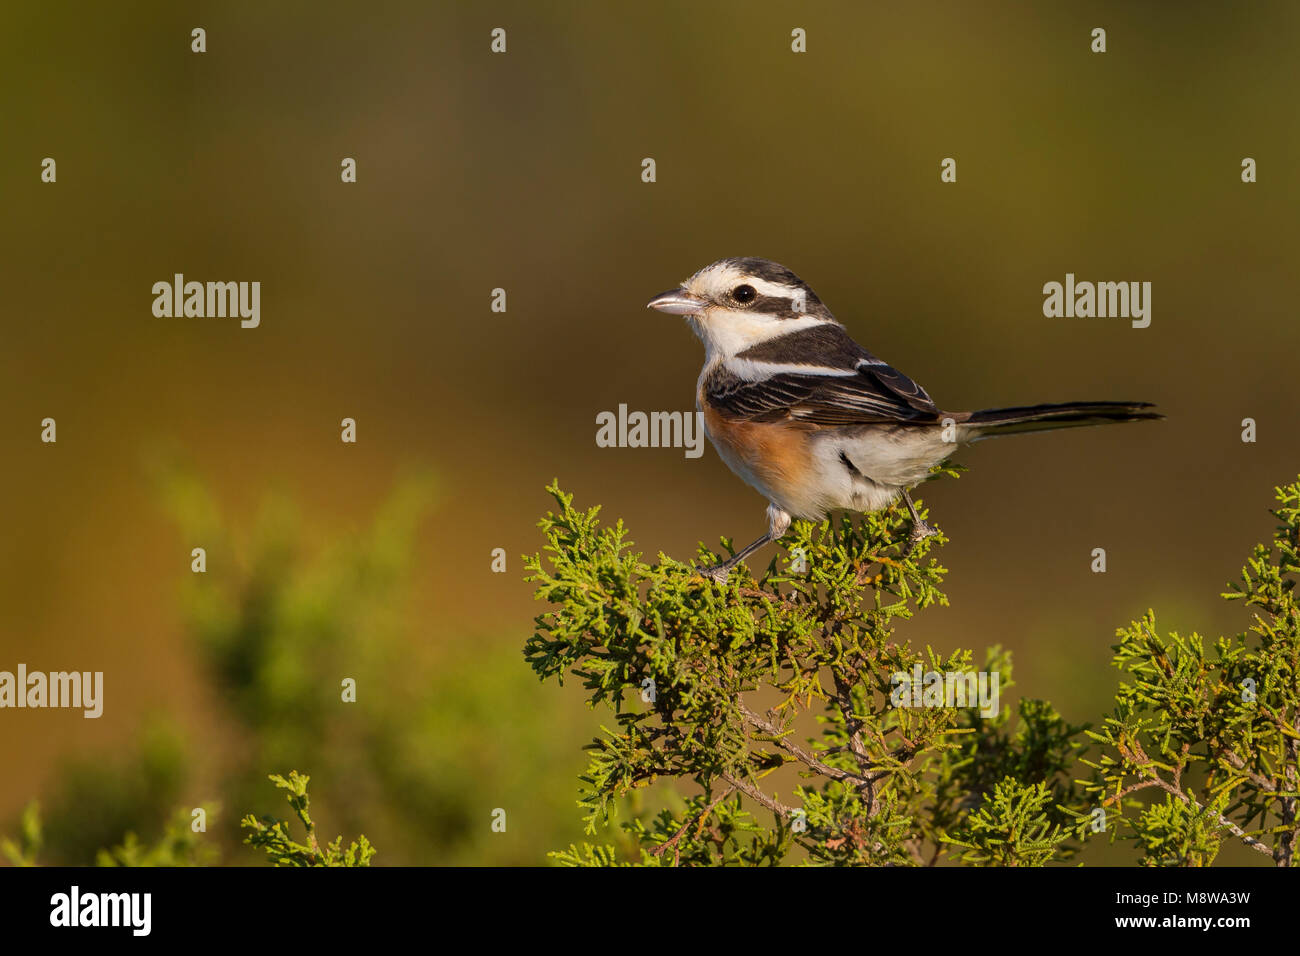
[{"x": 752, "y": 370}]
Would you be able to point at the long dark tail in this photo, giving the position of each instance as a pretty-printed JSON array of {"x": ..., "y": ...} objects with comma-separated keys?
[{"x": 1041, "y": 418}]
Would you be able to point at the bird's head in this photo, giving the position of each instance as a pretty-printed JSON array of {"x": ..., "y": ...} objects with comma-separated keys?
[{"x": 735, "y": 304}]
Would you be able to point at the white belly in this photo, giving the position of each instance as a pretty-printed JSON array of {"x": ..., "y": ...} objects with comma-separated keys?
[
  {"x": 885, "y": 461},
  {"x": 860, "y": 468}
]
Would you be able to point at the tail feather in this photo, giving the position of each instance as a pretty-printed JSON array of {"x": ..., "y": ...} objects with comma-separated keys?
[{"x": 991, "y": 422}]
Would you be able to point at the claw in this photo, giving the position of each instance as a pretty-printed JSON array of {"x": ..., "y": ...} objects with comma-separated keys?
[
  {"x": 920, "y": 531},
  {"x": 717, "y": 573}
]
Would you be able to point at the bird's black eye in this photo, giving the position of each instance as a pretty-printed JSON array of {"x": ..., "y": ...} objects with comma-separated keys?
[{"x": 744, "y": 293}]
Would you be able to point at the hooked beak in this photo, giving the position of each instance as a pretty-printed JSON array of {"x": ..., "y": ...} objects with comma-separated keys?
[{"x": 677, "y": 302}]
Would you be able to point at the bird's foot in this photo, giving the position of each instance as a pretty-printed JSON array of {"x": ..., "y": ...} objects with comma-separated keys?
[
  {"x": 920, "y": 531},
  {"x": 718, "y": 573}
]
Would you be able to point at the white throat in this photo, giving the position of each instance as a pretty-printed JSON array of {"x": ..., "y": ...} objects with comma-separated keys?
[{"x": 727, "y": 333}]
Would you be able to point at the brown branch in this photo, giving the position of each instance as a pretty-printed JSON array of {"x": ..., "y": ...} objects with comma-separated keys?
[
  {"x": 781, "y": 740},
  {"x": 1258, "y": 779},
  {"x": 853, "y": 725},
  {"x": 777, "y": 596},
  {"x": 1286, "y": 845},
  {"x": 757, "y": 795},
  {"x": 1166, "y": 786},
  {"x": 698, "y": 819},
  {"x": 1223, "y": 821}
]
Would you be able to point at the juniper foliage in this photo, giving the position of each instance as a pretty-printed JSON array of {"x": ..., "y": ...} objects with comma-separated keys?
[
  {"x": 181, "y": 845},
  {"x": 720, "y": 685},
  {"x": 1213, "y": 733},
  {"x": 768, "y": 702},
  {"x": 275, "y": 837},
  {"x": 178, "y": 845}
]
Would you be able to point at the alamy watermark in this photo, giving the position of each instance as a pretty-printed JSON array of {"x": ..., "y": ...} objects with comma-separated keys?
[
  {"x": 624, "y": 429},
  {"x": 82, "y": 690},
  {"x": 133, "y": 911},
  {"x": 1102, "y": 300},
  {"x": 208, "y": 300},
  {"x": 947, "y": 689}
]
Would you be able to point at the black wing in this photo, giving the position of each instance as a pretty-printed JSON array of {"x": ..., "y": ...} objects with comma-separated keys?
[{"x": 846, "y": 384}]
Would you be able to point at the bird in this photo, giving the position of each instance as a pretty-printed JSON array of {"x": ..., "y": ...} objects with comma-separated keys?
[{"x": 811, "y": 419}]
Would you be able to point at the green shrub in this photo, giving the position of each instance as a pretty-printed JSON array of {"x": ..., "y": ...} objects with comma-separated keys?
[{"x": 715, "y": 688}]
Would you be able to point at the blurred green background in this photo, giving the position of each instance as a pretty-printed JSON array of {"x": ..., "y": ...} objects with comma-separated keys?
[{"x": 522, "y": 171}]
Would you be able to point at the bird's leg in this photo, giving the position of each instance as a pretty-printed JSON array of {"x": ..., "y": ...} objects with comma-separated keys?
[
  {"x": 777, "y": 524},
  {"x": 920, "y": 530},
  {"x": 719, "y": 571}
]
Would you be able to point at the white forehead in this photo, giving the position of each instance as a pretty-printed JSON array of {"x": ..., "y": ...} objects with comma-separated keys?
[{"x": 713, "y": 280}]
